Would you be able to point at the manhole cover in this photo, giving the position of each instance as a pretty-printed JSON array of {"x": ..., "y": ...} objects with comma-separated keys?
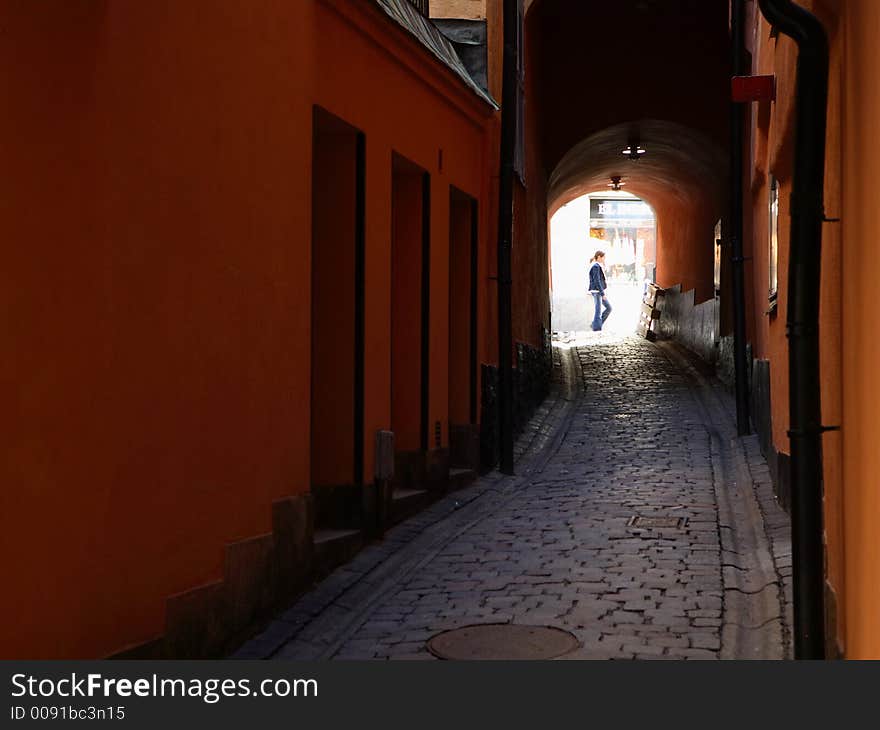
[
  {"x": 657, "y": 522},
  {"x": 503, "y": 641}
]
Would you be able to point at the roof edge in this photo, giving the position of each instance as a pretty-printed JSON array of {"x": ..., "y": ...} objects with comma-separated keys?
[{"x": 411, "y": 20}]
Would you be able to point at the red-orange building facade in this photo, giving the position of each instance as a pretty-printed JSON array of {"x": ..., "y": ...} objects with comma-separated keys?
[
  {"x": 641, "y": 83},
  {"x": 241, "y": 239},
  {"x": 848, "y": 329}
]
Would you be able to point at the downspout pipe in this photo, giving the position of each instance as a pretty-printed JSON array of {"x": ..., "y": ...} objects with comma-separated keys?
[
  {"x": 804, "y": 281},
  {"x": 735, "y": 235},
  {"x": 509, "y": 90}
]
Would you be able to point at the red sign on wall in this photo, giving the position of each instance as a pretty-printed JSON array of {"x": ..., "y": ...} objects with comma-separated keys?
[{"x": 753, "y": 88}]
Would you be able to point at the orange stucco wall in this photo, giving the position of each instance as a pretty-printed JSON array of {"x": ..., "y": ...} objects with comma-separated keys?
[
  {"x": 772, "y": 142},
  {"x": 155, "y": 300},
  {"x": 861, "y": 345},
  {"x": 156, "y": 220},
  {"x": 379, "y": 80},
  {"x": 685, "y": 243},
  {"x": 771, "y": 153}
]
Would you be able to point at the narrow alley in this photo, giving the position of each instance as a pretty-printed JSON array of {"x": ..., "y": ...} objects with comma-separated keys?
[
  {"x": 640, "y": 524},
  {"x": 385, "y": 329}
]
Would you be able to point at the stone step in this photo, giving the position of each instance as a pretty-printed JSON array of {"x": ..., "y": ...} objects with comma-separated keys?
[
  {"x": 334, "y": 547},
  {"x": 406, "y": 502},
  {"x": 459, "y": 478}
]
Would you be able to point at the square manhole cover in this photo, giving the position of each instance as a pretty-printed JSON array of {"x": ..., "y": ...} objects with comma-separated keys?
[{"x": 656, "y": 523}]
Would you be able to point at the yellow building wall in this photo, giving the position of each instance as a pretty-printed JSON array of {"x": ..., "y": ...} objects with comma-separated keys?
[{"x": 459, "y": 9}]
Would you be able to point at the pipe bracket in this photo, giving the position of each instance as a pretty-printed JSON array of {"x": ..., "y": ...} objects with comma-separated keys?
[
  {"x": 810, "y": 431},
  {"x": 801, "y": 329}
]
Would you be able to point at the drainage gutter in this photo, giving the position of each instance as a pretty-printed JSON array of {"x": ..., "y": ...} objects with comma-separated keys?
[{"x": 804, "y": 279}]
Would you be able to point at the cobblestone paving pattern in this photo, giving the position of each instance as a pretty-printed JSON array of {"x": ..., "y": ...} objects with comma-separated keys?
[
  {"x": 642, "y": 434},
  {"x": 562, "y": 553}
]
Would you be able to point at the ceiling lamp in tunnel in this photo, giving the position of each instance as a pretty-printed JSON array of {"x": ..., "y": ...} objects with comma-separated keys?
[
  {"x": 616, "y": 183},
  {"x": 634, "y": 151}
]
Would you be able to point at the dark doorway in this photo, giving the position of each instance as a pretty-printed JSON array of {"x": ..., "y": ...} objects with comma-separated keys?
[
  {"x": 337, "y": 367},
  {"x": 410, "y": 318},
  {"x": 463, "y": 250}
]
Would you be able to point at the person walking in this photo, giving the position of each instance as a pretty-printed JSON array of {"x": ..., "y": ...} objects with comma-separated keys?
[{"x": 597, "y": 289}]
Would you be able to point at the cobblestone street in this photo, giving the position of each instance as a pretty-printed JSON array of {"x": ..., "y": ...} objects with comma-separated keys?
[
  {"x": 637, "y": 521},
  {"x": 354, "y": 330}
]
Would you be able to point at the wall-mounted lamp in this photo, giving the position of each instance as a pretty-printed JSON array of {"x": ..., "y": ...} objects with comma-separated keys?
[
  {"x": 616, "y": 183},
  {"x": 634, "y": 151}
]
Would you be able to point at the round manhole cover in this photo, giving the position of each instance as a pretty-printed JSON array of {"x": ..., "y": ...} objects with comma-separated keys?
[{"x": 503, "y": 641}]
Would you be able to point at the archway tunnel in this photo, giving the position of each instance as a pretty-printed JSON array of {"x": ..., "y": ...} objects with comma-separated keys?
[
  {"x": 682, "y": 176},
  {"x": 604, "y": 77}
]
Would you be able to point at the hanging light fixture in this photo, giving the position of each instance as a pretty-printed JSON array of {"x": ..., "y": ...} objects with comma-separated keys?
[
  {"x": 634, "y": 151},
  {"x": 616, "y": 183}
]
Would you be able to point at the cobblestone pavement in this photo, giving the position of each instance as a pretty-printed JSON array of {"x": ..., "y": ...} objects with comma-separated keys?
[{"x": 559, "y": 545}]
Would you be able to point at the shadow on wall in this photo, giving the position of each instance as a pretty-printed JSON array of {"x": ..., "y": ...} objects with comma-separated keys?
[
  {"x": 696, "y": 326},
  {"x": 531, "y": 384}
]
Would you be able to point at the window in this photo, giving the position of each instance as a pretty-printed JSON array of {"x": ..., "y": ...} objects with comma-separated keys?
[{"x": 774, "y": 242}]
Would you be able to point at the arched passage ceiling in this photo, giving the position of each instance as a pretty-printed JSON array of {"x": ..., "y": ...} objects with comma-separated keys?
[
  {"x": 601, "y": 74},
  {"x": 596, "y": 64},
  {"x": 681, "y": 167}
]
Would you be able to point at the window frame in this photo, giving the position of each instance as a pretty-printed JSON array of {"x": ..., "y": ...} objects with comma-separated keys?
[{"x": 773, "y": 244}]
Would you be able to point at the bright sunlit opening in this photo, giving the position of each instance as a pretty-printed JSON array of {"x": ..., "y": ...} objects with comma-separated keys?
[{"x": 624, "y": 227}]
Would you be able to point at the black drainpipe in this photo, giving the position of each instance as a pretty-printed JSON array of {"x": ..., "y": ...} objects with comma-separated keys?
[
  {"x": 509, "y": 91},
  {"x": 735, "y": 234},
  {"x": 804, "y": 274}
]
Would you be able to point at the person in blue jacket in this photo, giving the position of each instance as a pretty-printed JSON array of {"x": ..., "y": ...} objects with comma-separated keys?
[{"x": 597, "y": 289}]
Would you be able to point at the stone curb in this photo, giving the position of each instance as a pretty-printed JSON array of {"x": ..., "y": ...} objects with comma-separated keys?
[{"x": 754, "y": 615}]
